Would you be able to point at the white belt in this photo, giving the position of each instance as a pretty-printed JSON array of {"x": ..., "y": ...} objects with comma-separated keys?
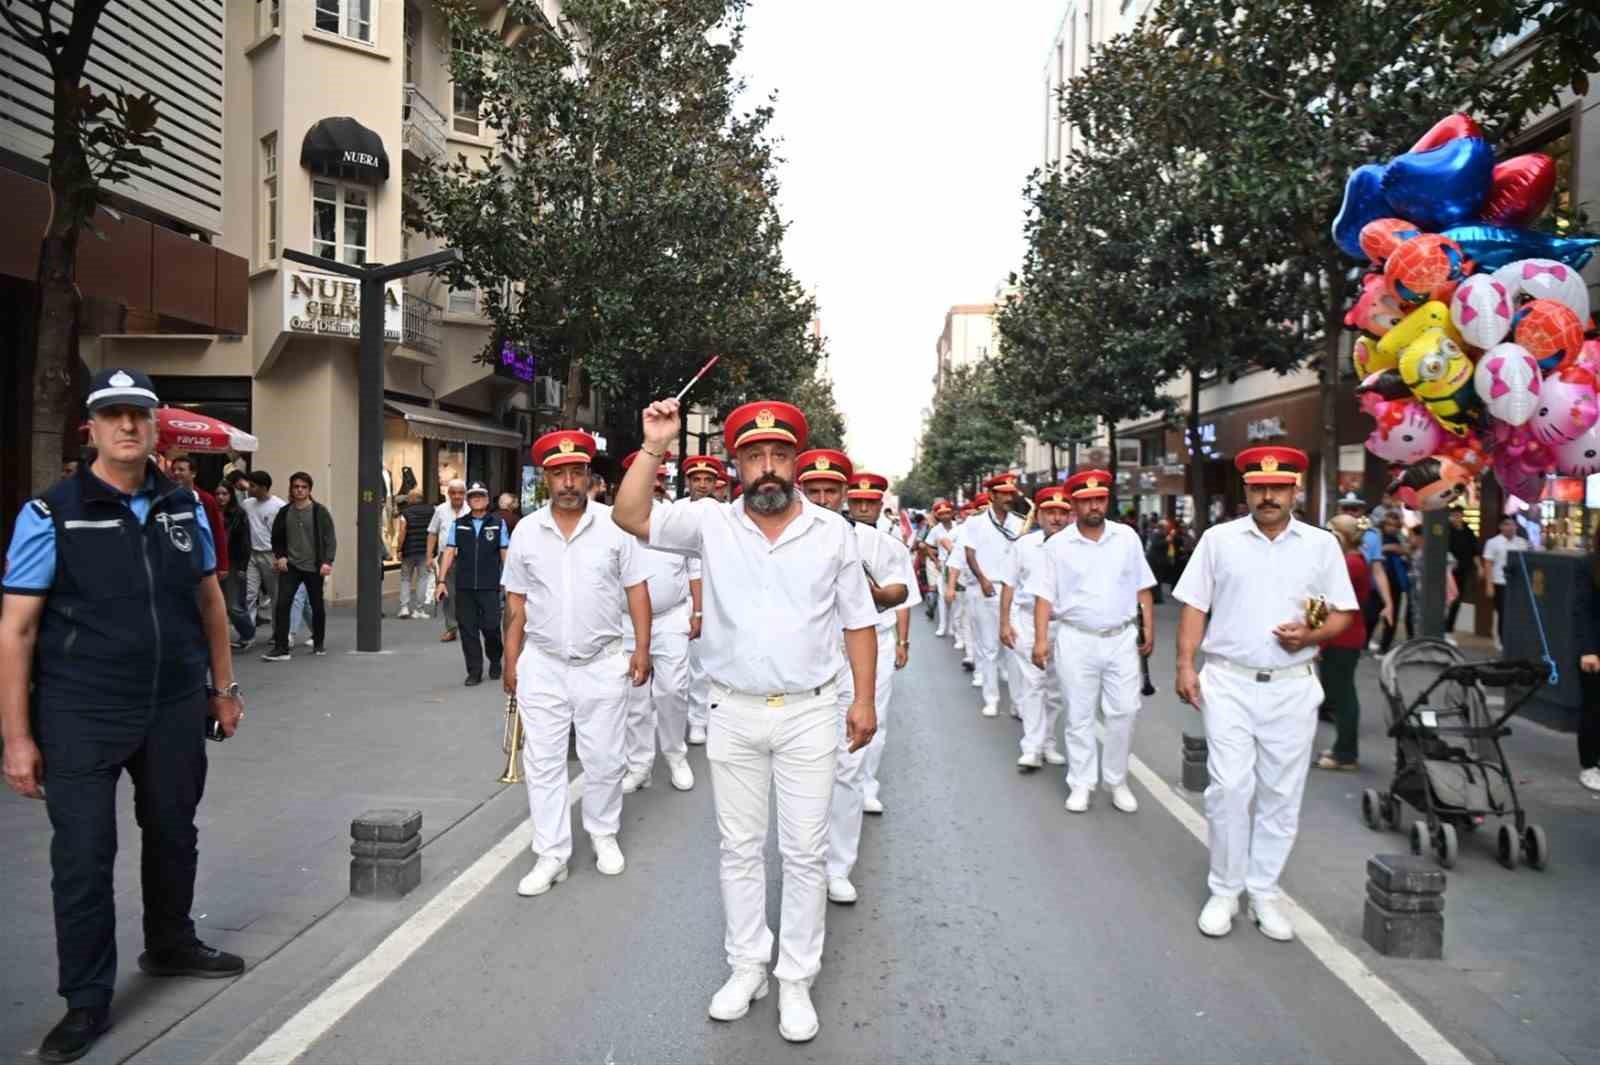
[
  {"x": 1113, "y": 630},
  {"x": 608, "y": 647},
  {"x": 774, "y": 701},
  {"x": 1262, "y": 676}
]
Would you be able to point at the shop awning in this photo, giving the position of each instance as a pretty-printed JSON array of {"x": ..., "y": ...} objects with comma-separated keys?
[
  {"x": 344, "y": 148},
  {"x": 432, "y": 424}
]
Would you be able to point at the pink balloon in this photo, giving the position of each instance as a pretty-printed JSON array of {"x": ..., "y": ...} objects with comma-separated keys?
[
  {"x": 1406, "y": 432},
  {"x": 1581, "y": 456},
  {"x": 1589, "y": 357},
  {"x": 1376, "y": 309},
  {"x": 1567, "y": 407}
]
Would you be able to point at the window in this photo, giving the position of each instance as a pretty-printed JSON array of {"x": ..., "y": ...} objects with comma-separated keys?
[
  {"x": 464, "y": 103},
  {"x": 339, "y": 217},
  {"x": 347, "y": 18},
  {"x": 413, "y": 21},
  {"x": 269, "y": 196},
  {"x": 463, "y": 301},
  {"x": 268, "y": 12}
]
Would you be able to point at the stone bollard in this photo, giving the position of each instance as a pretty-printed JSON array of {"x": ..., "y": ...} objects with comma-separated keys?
[
  {"x": 1195, "y": 776},
  {"x": 1405, "y": 907},
  {"x": 386, "y": 853}
]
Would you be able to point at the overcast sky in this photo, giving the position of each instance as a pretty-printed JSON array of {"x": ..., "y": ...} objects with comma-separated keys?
[{"x": 908, "y": 130}]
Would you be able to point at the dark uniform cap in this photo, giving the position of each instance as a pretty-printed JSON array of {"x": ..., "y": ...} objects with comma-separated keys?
[{"x": 120, "y": 388}]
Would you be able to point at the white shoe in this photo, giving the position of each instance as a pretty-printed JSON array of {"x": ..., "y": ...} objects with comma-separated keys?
[
  {"x": 1122, "y": 798},
  {"x": 405, "y": 613},
  {"x": 697, "y": 734},
  {"x": 990, "y": 710},
  {"x": 1270, "y": 919},
  {"x": 546, "y": 872},
  {"x": 423, "y": 614},
  {"x": 797, "y": 1018},
  {"x": 635, "y": 779},
  {"x": 1590, "y": 778},
  {"x": 1451, "y": 640},
  {"x": 1016, "y": 713},
  {"x": 1217, "y": 917},
  {"x": 959, "y": 646},
  {"x": 682, "y": 775},
  {"x": 938, "y": 632},
  {"x": 291, "y": 641},
  {"x": 608, "y": 856},
  {"x": 1029, "y": 760},
  {"x": 1053, "y": 755},
  {"x": 733, "y": 998},
  {"x": 872, "y": 805},
  {"x": 977, "y": 681},
  {"x": 1077, "y": 799},
  {"x": 840, "y": 890}
]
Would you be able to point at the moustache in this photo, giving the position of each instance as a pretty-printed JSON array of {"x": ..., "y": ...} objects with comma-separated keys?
[{"x": 769, "y": 480}]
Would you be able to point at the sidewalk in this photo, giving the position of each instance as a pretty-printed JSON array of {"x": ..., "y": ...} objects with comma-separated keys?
[{"x": 324, "y": 740}]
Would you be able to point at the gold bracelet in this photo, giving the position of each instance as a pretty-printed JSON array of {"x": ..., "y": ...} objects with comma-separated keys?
[{"x": 652, "y": 454}]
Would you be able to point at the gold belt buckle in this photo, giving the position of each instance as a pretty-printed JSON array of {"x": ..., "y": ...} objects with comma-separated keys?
[{"x": 774, "y": 702}]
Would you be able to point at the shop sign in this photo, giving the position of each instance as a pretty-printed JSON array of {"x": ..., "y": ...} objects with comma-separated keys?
[
  {"x": 1147, "y": 480},
  {"x": 325, "y": 305},
  {"x": 1265, "y": 429},
  {"x": 516, "y": 362},
  {"x": 1203, "y": 441}
]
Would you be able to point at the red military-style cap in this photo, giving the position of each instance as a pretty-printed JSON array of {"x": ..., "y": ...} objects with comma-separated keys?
[
  {"x": 1002, "y": 482},
  {"x": 866, "y": 486},
  {"x": 822, "y": 464},
  {"x": 980, "y": 500},
  {"x": 738, "y": 490},
  {"x": 563, "y": 447},
  {"x": 704, "y": 464},
  {"x": 661, "y": 471},
  {"x": 1089, "y": 484},
  {"x": 1272, "y": 464},
  {"x": 764, "y": 420},
  {"x": 1053, "y": 495}
]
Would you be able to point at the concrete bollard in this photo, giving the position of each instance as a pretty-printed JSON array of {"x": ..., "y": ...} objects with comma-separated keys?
[
  {"x": 386, "y": 853},
  {"x": 1195, "y": 776},
  {"x": 1404, "y": 915}
]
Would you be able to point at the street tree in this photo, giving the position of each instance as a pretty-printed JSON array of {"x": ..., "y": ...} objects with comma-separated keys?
[
  {"x": 972, "y": 430},
  {"x": 97, "y": 139},
  {"x": 1557, "y": 41}
]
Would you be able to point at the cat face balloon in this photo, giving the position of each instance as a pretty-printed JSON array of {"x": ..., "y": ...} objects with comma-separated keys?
[
  {"x": 1567, "y": 406},
  {"x": 1406, "y": 432}
]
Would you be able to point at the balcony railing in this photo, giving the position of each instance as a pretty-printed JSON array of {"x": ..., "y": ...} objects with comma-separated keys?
[
  {"x": 419, "y": 323},
  {"x": 422, "y": 125}
]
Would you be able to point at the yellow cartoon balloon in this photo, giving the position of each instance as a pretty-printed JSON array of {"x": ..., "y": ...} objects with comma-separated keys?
[
  {"x": 1438, "y": 371},
  {"x": 1431, "y": 315}
]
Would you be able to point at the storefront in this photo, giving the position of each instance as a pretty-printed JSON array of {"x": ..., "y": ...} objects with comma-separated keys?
[{"x": 425, "y": 448}]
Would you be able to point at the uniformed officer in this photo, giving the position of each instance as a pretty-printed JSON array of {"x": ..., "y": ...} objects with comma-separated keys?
[
  {"x": 1035, "y": 692},
  {"x": 113, "y": 613},
  {"x": 707, "y": 477},
  {"x": 475, "y": 549},
  {"x": 1248, "y": 592}
]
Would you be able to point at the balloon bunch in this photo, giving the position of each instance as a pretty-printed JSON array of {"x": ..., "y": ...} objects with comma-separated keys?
[{"x": 1472, "y": 348}]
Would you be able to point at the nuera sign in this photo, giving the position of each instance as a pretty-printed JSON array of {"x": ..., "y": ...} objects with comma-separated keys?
[{"x": 325, "y": 305}]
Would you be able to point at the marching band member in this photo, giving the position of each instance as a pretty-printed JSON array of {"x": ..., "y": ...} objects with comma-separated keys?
[
  {"x": 1252, "y": 592},
  {"x": 1036, "y": 692},
  {"x": 989, "y": 559},
  {"x": 781, "y": 578},
  {"x": 567, "y": 576},
  {"x": 660, "y": 708},
  {"x": 959, "y": 590},
  {"x": 1094, "y": 581},
  {"x": 706, "y": 476},
  {"x": 941, "y": 532}
]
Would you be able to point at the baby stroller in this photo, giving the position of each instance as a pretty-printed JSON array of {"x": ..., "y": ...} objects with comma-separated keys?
[{"x": 1437, "y": 701}]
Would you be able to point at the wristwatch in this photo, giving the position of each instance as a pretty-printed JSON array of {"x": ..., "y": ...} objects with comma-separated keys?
[{"x": 230, "y": 692}]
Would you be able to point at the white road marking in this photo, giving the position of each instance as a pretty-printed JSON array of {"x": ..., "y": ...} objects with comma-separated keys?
[
  {"x": 319, "y": 1015},
  {"x": 1400, "y": 1016}
]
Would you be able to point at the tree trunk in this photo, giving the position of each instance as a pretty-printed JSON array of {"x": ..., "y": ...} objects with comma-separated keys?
[
  {"x": 1333, "y": 335},
  {"x": 683, "y": 450},
  {"x": 1197, "y": 460},
  {"x": 1055, "y": 470},
  {"x": 1111, "y": 468},
  {"x": 56, "y": 347}
]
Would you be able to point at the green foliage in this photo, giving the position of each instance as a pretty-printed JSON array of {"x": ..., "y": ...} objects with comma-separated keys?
[
  {"x": 1560, "y": 52},
  {"x": 813, "y": 394},
  {"x": 917, "y": 489},
  {"x": 972, "y": 431}
]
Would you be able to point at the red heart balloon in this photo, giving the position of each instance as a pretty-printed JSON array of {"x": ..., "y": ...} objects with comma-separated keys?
[
  {"x": 1520, "y": 190},
  {"x": 1447, "y": 129}
]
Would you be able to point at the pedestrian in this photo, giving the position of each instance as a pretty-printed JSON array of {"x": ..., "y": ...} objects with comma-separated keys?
[
  {"x": 1464, "y": 553},
  {"x": 303, "y": 550},
  {"x": 1095, "y": 585},
  {"x": 782, "y": 577},
  {"x": 112, "y": 618},
  {"x": 411, "y": 531},
  {"x": 941, "y": 541},
  {"x": 989, "y": 560},
  {"x": 573, "y": 586},
  {"x": 1492, "y": 571},
  {"x": 1338, "y": 657},
  {"x": 658, "y": 712},
  {"x": 1396, "y": 562},
  {"x": 1251, "y": 596},
  {"x": 445, "y": 515},
  {"x": 1587, "y": 628},
  {"x": 597, "y": 488},
  {"x": 236, "y": 525},
  {"x": 707, "y": 477},
  {"x": 1034, "y": 690},
  {"x": 261, "y": 580},
  {"x": 474, "y": 553},
  {"x": 509, "y": 512},
  {"x": 183, "y": 471}
]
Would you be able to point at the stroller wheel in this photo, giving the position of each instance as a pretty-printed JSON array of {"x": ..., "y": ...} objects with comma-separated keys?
[
  {"x": 1419, "y": 837},
  {"x": 1446, "y": 847},
  {"x": 1505, "y": 846},
  {"x": 1536, "y": 846},
  {"x": 1370, "y": 807}
]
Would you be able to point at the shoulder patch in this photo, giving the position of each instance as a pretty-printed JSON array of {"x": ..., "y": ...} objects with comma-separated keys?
[{"x": 40, "y": 507}]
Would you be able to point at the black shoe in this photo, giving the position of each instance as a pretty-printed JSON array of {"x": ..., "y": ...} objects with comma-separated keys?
[
  {"x": 197, "y": 959},
  {"x": 72, "y": 1037},
  {"x": 494, "y": 671},
  {"x": 969, "y": 666},
  {"x": 474, "y": 679}
]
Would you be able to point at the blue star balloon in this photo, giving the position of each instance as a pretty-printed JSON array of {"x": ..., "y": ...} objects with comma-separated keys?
[
  {"x": 1491, "y": 247},
  {"x": 1443, "y": 186},
  {"x": 1363, "y": 202}
]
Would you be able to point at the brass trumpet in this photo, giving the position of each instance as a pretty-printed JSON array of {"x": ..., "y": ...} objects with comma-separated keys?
[{"x": 511, "y": 743}]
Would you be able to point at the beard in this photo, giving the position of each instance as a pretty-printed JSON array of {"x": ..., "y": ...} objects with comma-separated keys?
[
  {"x": 1091, "y": 521},
  {"x": 770, "y": 494}
]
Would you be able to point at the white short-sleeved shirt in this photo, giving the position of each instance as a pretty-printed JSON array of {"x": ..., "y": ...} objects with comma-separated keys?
[
  {"x": 1497, "y": 550},
  {"x": 444, "y": 516},
  {"x": 943, "y": 540},
  {"x": 667, "y": 576},
  {"x": 575, "y": 588},
  {"x": 889, "y": 563},
  {"x": 262, "y": 513},
  {"x": 1025, "y": 576},
  {"x": 773, "y": 609},
  {"x": 1093, "y": 584},
  {"x": 1250, "y": 585},
  {"x": 956, "y": 558},
  {"x": 995, "y": 551}
]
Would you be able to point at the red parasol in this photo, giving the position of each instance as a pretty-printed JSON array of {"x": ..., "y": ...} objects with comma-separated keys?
[{"x": 186, "y": 430}]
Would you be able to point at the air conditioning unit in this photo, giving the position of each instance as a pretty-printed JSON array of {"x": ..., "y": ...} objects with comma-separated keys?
[{"x": 548, "y": 393}]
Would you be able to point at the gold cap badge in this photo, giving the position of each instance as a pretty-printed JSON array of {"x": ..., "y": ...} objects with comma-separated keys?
[
  {"x": 1091, "y": 483},
  {"x": 566, "y": 445},
  {"x": 1269, "y": 464},
  {"x": 822, "y": 462},
  {"x": 765, "y": 419}
]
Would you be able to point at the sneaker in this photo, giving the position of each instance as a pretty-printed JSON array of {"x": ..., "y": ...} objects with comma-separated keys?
[
  {"x": 1122, "y": 798},
  {"x": 968, "y": 664},
  {"x": 404, "y": 615},
  {"x": 939, "y": 632},
  {"x": 697, "y": 734},
  {"x": 1030, "y": 760},
  {"x": 1590, "y": 778},
  {"x": 1015, "y": 713},
  {"x": 1053, "y": 755},
  {"x": 1451, "y": 640},
  {"x": 990, "y": 710},
  {"x": 291, "y": 641},
  {"x": 1273, "y": 924},
  {"x": 1077, "y": 799},
  {"x": 320, "y": 652},
  {"x": 196, "y": 959},
  {"x": 733, "y": 998},
  {"x": 547, "y": 872},
  {"x": 977, "y": 680},
  {"x": 1216, "y": 919},
  {"x": 797, "y": 1018},
  {"x": 75, "y": 1033},
  {"x": 959, "y": 646},
  {"x": 872, "y": 805},
  {"x": 276, "y": 656},
  {"x": 840, "y": 890},
  {"x": 635, "y": 779},
  {"x": 608, "y": 856},
  {"x": 682, "y": 775},
  {"x": 243, "y": 645},
  {"x": 422, "y": 615}
]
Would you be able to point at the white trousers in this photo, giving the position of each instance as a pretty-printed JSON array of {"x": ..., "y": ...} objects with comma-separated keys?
[
  {"x": 699, "y": 687},
  {"x": 986, "y": 629},
  {"x": 961, "y": 622},
  {"x": 661, "y": 707},
  {"x": 942, "y": 608},
  {"x": 1258, "y": 746},
  {"x": 883, "y": 690},
  {"x": 751, "y": 748},
  {"x": 1098, "y": 673},
  {"x": 846, "y": 808},
  {"x": 553, "y": 697},
  {"x": 1035, "y": 692}
]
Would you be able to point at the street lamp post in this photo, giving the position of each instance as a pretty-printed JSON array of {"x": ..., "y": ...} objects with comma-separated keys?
[{"x": 369, "y": 427}]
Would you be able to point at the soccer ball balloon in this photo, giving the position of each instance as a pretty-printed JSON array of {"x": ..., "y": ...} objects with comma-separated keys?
[
  {"x": 1428, "y": 267},
  {"x": 1481, "y": 311},
  {"x": 1508, "y": 382}
]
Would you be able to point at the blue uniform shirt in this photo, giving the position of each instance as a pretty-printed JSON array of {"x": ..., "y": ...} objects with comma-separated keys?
[
  {"x": 477, "y": 530},
  {"x": 31, "y": 559}
]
